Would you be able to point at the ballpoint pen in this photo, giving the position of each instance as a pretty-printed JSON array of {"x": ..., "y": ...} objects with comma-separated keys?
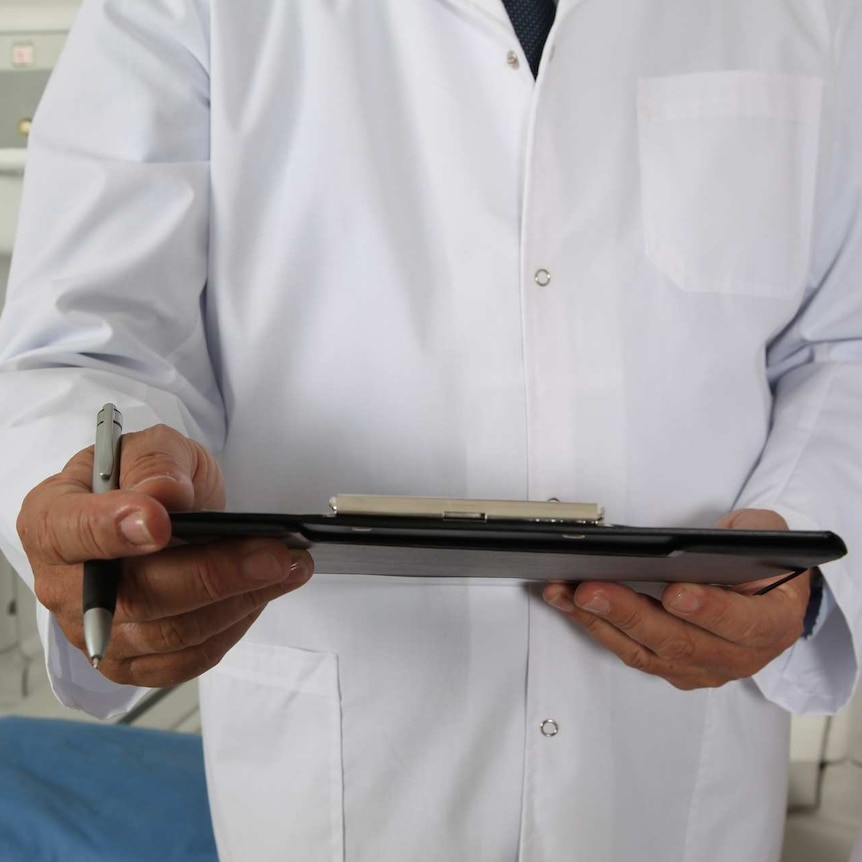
[{"x": 102, "y": 577}]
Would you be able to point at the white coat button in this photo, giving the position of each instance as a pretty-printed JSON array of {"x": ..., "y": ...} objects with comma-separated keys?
[
  {"x": 512, "y": 60},
  {"x": 550, "y": 727},
  {"x": 543, "y": 277}
]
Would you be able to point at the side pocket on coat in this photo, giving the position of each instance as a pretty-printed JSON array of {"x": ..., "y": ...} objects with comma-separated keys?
[{"x": 272, "y": 742}]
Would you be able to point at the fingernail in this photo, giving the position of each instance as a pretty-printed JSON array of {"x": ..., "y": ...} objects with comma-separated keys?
[
  {"x": 262, "y": 566},
  {"x": 299, "y": 569},
  {"x": 686, "y": 601},
  {"x": 135, "y": 529},
  {"x": 598, "y": 604},
  {"x": 561, "y": 602}
]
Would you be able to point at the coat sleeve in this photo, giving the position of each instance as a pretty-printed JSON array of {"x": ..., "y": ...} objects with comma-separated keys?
[
  {"x": 107, "y": 289},
  {"x": 811, "y": 467}
]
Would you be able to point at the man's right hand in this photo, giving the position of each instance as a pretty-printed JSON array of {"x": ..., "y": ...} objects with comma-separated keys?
[{"x": 179, "y": 608}]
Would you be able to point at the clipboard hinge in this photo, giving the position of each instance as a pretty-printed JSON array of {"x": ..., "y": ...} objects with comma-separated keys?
[{"x": 453, "y": 509}]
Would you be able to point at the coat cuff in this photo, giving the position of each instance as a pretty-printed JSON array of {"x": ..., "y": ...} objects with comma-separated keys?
[
  {"x": 75, "y": 683},
  {"x": 817, "y": 674}
]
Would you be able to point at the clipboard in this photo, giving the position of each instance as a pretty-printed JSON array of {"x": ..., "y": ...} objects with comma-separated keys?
[{"x": 523, "y": 540}]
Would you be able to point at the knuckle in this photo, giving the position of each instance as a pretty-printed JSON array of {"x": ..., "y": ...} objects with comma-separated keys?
[
  {"x": 638, "y": 659},
  {"x": 34, "y": 531},
  {"x": 150, "y": 464},
  {"x": 679, "y": 648},
  {"x": 251, "y": 604},
  {"x": 24, "y": 523},
  {"x": 252, "y": 617},
  {"x": 90, "y": 536},
  {"x": 43, "y": 596},
  {"x": 593, "y": 625},
  {"x": 44, "y": 589},
  {"x": 45, "y": 593},
  {"x": 78, "y": 529},
  {"x": 59, "y": 591},
  {"x": 626, "y": 619},
  {"x": 207, "y": 475},
  {"x": 212, "y": 651},
  {"x": 35, "y": 523},
  {"x": 174, "y": 634},
  {"x": 156, "y": 439},
  {"x": 158, "y": 671},
  {"x": 162, "y": 452},
  {"x": 722, "y": 615},
  {"x": 207, "y": 568},
  {"x": 134, "y": 600},
  {"x": 207, "y": 655},
  {"x": 159, "y": 450},
  {"x": 757, "y": 632}
]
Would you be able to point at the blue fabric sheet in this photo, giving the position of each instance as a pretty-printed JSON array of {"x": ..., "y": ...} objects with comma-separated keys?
[{"x": 76, "y": 792}]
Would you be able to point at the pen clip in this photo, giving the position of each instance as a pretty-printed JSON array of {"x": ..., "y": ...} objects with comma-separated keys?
[{"x": 106, "y": 461}]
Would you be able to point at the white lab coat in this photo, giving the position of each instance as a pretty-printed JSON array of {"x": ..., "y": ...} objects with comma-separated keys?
[{"x": 367, "y": 192}]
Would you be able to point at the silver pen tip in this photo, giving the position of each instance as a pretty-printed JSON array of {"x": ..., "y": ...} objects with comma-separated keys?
[{"x": 96, "y": 661}]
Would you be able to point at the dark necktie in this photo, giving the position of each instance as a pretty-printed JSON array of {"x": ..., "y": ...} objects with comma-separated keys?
[{"x": 532, "y": 20}]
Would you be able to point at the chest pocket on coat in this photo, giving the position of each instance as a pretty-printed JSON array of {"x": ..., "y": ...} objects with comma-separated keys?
[
  {"x": 728, "y": 164},
  {"x": 272, "y": 743}
]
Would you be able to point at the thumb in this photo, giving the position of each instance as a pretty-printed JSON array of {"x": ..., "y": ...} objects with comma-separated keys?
[
  {"x": 175, "y": 470},
  {"x": 752, "y": 519}
]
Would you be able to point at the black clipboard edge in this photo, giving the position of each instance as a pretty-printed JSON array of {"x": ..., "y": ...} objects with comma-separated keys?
[{"x": 797, "y": 550}]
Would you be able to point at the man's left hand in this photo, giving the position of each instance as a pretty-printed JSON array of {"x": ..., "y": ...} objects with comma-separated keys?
[{"x": 698, "y": 636}]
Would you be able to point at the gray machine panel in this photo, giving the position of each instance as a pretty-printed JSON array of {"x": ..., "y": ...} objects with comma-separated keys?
[{"x": 20, "y": 92}]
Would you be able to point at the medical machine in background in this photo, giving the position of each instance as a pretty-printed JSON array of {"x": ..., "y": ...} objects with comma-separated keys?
[{"x": 32, "y": 34}]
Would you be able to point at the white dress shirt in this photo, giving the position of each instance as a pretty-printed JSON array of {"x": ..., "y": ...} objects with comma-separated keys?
[{"x": 355, "y": 247}]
